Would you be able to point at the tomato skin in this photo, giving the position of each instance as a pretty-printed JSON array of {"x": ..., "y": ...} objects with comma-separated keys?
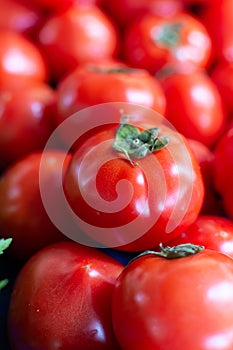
[
  {"x": 212, "y": 203},
  {"x": 213, "y": 232},
  {"x": 194, "y": 106},
  {"x": 27, "y": 118},
  {"x": 92, "y": 37},
  {"x": 221, "y": 35},
  {"x": 22, "y": 213},
  {"x": 222, "y": 74},
  {"x": 175, "y": 304},
  {"x": 125, "y": 11},
  {"x": 148, "y": 45},
  {"x": 90, "y": 185},
  {"x": 89, "y": 84},
  {"x": 223, "y": 162},
  {"x": 18, "y": 17},
  {"x": 62, "y": 297},
  {"x": 15, "y": 48}
]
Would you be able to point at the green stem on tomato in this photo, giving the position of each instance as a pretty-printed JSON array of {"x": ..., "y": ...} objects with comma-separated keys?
[
  {"x": 175, "y": 252},
  {"x": 137, "y": 144}
]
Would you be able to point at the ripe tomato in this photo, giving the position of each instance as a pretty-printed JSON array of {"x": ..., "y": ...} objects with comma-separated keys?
[
  {"x": 222, "y": 75},
  {"x": 125, "y": 11},
  {"x": 212, "y": 203},
  {"x": 27, "y": 118},
  {"x": 80, "y": 34},
  {"x": 182, "y": 303},
  {"x": 110, "y": 81},
  {"x": 223, "y": 162},
  {"x": 22, "y": 213},
  {"x": 62, "y": 299},
  {"x": 194, "y": 106},
  {"x": 220, "y": 12},
  {"x": 133, "y": 204},
  {"x": 152, "y": 41},
  {"x": 21, "y": 61},
  {"x": 18, "y": 17},
  {"x": 213, "y": 232}
]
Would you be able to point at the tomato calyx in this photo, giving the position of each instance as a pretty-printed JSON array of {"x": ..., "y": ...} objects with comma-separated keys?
[
  {"x": 167, "y": 35},
  {"x": 112, "y": 70},
  {"x": 137, "y": 144},
  {"x": 4, "y": 244},
  {"x": 175, "y": 252}
]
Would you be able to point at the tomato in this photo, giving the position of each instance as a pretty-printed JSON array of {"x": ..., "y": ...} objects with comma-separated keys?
[
  {"x": 133, "y": 204},
  {"x": 212, "y": 203},
  {"x": 91, "y": 84},
  {"x": 21, "y": 61},
  {"x": 18, "y": 17},
  {"x": 22, "y": 213},
  {"x": 152, "y": 42},
  {"x": 62, "y": 298},
  {"x": 222, "y": 74},
  {"x": 92, "y": 37},
  {"x": 220, "y": 12},
  {"x": 27, "y": 118},
  {"x": 181, "y": 303},
  {"x": 223, "y": 162},
  {"x": 194, "y": 106},
  {"x": 54, "y": 6},
  {"x": 213, "y": 232},
  {"x": 125, "y": 11}
]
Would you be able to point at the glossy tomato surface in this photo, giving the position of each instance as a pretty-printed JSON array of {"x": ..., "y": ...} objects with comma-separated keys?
[
  {"x": 194, "y": 106},
  {"x": 109, "y": 81},
  {"x": 22, "y": 213},
  {"x": 62, "y": 299},
  {"x": 153, "y": 41},
  {"x": 175, "y": 304},
  {"x": 27, "y": 118},
  {"x": 213, "y": 232},
  {"x": 80, "y": 34},
  {"x": 21, "y": 61}
]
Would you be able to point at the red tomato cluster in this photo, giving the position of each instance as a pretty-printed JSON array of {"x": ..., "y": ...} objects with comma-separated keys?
[{"x": 116, "y": 131}]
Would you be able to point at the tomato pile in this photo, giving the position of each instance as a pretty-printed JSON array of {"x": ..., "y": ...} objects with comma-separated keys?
[{"x": 116, "y": 160}]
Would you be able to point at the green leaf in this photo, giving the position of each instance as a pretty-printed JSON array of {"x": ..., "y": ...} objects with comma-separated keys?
[
  {"x": 3, "y": 283},
  {"x": 4, "y": 244},
  {"x": 160, "y": 143},
  {"x": 135, "y": 144}
]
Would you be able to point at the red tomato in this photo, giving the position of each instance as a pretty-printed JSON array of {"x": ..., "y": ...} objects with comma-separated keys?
[
  {"x": 80, "y": 34},
  {"x": 91, "y": 84},
  {"x": 194, "y": 106},
  {"x": 223, "y": 162},
  {"x": 18, "y": 17},
  {"x": 52, "y": 6},
  {"x": 22, "y": 213},
  {"x": 133, "y": 206},
  {"x": 182, "y": 303},
  {"x": 227, "y": 198},
  {"x": 220, "y": 12},
  {"x": 212, "y": 203},
  {"x": 62, "y": 299},
  {"x": 125, "y": 11},
  {"x": 27, "y": 118},
  {"x": 151, "y": 42},
  {"x": 213, "y": 232},
  {"x": 222, "y": 75},
  {"x": 21, "y": 61}
]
